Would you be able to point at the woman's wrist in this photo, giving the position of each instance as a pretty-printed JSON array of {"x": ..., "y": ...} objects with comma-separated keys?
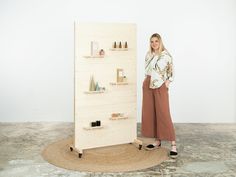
[{"x": 168, "y": 81}]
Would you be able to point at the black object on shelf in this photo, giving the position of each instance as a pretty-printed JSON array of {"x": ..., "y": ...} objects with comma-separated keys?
[
  {"x": 93, "y": 124},
  {"x": 98, "y": 123}
]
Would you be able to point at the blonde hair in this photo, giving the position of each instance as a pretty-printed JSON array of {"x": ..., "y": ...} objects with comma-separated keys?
[{"x": 161, "y": 45}]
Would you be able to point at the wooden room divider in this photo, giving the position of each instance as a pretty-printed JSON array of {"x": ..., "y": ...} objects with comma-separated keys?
[{"x": 104, "y": 85}]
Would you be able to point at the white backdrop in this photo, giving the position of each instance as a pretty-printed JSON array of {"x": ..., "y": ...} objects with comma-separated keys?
[{"x": 37, "y": 45}]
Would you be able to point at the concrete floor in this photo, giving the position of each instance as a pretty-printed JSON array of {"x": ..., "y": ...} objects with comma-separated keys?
[{"x": 204, "y": 150}]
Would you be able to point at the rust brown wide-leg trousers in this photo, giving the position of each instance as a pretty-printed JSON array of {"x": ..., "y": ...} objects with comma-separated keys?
[{"x": 156, "y": 118}]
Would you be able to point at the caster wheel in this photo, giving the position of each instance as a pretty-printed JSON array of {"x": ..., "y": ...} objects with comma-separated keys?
[
  {"x": 140, "y": 147},
  {"x": 80, "y": 155},
  {"x": 71, "y": 148}
]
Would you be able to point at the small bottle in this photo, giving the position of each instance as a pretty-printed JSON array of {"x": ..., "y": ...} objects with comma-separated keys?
[
  {"x": 114, "y": 46},
  {"x": 124, "y": 79},
  {"x": 126, "y": 45},
  {"x": 120, "y": 45},
  {"x": 96, "y": 87}
]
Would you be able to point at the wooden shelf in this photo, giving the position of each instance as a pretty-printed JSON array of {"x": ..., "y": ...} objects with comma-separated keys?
[
  {"x": 118, "y": 83},
  {"x": 120, "y": 49},
  {"x": 93, "y": 128},
  {"x": 118, "y": 118},
  {"x": 95, "y": 92},
  {"x": 94, "y": 56}
]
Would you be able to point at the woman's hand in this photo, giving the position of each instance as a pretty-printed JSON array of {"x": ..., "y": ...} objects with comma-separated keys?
[{"x": 167, "y": 82}]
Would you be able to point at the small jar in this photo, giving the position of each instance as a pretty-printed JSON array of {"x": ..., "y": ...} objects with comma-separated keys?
[
  {"x": 93, "y": 124},
  {"x": 121, "y": 114},
  {"x": 98, "y": 123},
  {"x": 101, "y": 52},
  {"x": 124, "y": 79}
]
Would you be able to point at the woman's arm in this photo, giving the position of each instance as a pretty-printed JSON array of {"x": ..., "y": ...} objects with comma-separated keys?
[{"x": 169, "y": 71}]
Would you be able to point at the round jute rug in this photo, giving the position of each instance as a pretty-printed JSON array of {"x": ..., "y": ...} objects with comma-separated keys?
[{"x": 117, "y": 158}]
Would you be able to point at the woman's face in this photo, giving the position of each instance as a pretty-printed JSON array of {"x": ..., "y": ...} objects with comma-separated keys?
[{"x": 155, "y": 43}]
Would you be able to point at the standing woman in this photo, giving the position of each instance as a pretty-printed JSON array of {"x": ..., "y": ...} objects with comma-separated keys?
[{"x": 156, "y": 118}]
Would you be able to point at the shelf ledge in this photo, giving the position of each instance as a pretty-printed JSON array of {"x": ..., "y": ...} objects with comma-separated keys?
[
  {"x": 118, "y": 83},
  {"x": 93, "y": 128},
  {"x": 94, "y": 92},
  {"x": 120, "y": 49},
  {"x": 94, "y": 56},
  {"x": 118, "y": 118}
]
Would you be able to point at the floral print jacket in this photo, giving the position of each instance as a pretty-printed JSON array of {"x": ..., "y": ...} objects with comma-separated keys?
[{"x": 159, "y": 67}]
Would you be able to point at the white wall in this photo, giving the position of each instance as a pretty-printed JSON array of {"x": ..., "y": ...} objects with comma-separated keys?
[{"x": 36, "y": 54}]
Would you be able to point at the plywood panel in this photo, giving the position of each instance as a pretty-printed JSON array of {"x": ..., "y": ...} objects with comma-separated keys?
[{"x": 117, "y": 98}]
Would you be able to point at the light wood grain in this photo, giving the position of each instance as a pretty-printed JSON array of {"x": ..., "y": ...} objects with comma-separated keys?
[{"x": 117, "y": 98}]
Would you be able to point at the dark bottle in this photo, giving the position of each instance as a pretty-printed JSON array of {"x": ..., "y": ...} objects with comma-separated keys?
[
  {"x": 114, "y": 46},
  {"x": 120, "y": 46},
  {"x": 126, "y": 45}
]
